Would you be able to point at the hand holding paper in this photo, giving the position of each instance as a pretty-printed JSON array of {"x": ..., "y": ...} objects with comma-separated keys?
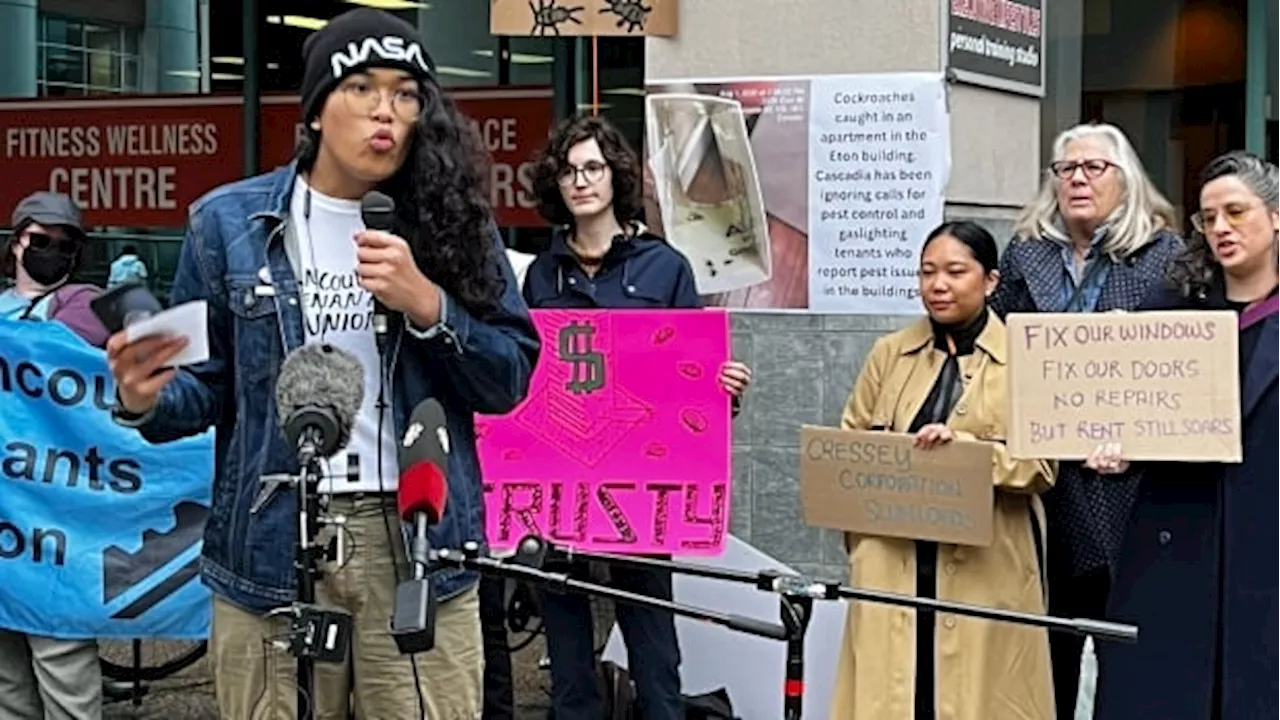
[{"x": 189, "y": 321}]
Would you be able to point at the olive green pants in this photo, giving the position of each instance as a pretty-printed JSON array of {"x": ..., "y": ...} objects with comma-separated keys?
[{"x": 255, "y": 680}]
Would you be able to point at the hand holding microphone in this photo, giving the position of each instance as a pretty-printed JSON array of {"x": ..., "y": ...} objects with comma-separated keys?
[
  {"x": 422, "y": 494},
  {"x": 386, "y": 267}
]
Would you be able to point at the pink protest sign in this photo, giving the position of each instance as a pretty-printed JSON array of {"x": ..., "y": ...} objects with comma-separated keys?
[{"x": 623, "y": 443}]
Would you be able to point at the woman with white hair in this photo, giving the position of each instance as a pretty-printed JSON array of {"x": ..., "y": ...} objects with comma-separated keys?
[{"x": 1098, "y": 237}]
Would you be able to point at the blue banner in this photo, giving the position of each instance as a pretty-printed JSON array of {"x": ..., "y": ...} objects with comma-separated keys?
[{"x": 100, "y": 531}]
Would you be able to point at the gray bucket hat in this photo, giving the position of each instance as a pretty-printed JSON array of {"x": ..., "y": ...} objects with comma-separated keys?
[
  {"x": 45, "y": 208},
  {"x": 49, "y": 208}
]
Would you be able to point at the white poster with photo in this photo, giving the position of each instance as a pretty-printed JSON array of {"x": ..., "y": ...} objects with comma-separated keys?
[{"x": 821, "y": 206}]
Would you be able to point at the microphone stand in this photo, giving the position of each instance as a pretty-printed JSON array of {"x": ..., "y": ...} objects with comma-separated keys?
[
  {"x": 314, "y": 634},
  {"x": 305, "y": 557},
  {"x": 797, "y": 593},
  {"x": 471, "y": 558}
]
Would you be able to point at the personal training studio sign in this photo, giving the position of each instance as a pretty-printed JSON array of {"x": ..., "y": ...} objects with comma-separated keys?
[{"x": 997, "y": 44}]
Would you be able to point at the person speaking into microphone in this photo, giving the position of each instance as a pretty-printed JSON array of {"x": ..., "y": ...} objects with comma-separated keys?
[{"x": 288, "y": 258}]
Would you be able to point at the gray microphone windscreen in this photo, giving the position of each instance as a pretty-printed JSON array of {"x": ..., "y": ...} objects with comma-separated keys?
[{"x": 321, "y": 375}]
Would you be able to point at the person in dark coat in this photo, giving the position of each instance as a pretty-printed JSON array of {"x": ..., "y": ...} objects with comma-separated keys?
[
  {"x": 1097, "y": 238},
  {"x": 588, "y": 182},
  {"x": 1197, "y": 572}
]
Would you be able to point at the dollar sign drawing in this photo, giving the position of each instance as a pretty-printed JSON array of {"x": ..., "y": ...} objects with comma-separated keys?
[{"x": 586, "y": 373}]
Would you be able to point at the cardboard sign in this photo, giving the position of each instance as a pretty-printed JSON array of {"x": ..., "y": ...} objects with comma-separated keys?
[
  {"x": 565, "y": 18},
  {"x": 1164, "y": 385},
  {"x": 623, "y": 444},
  {"x": 879, "y": 483}
]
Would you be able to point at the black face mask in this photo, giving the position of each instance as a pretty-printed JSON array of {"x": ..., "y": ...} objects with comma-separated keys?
[{"x": 47, "y": 266}]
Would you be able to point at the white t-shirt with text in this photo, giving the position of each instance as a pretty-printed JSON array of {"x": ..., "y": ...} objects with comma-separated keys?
[{"x": 338, "y": 311}]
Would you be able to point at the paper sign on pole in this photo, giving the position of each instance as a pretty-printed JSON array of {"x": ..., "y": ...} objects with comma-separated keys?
[
  {"x": 1164, "y": 385},
  {"x": 623, "y": 443},
  {"x": 880, "y": 484},
  {"x": 566, "y": 18}
]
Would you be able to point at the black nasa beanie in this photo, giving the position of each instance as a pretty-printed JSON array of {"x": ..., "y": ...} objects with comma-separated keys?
[{"x": 353, "y": 41}]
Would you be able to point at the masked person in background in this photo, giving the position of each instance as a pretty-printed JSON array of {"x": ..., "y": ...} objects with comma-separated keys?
[
  {"x": 941, "y": 379},
  {"x": 44, "y": 677},
  {"x": 588, "y": 185},
  {"x": 43, "y": 253},
  {"x": 284, "y": 259}
]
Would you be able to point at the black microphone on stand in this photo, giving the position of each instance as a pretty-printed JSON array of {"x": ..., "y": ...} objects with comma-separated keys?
[
  {"x": 378, "y": 211},
  {"x": 423, "y": 491}
]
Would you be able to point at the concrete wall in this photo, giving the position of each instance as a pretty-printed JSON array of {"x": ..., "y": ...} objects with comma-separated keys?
[{"x": 805, "y": 365}]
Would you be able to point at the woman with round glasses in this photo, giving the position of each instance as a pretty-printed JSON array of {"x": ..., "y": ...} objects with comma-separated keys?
[
  {"x": 588, "y": 183},
  {"x": 1096, "y": 238},
  {"x": 1198, "y": 568}
]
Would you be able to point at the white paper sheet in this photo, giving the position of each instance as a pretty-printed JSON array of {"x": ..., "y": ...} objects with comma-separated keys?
[{"x": 188, "y": 320}]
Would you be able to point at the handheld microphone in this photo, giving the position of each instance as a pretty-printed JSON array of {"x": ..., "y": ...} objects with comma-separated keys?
[
  {"x": 423, "y": 492},
  {"x": 378, "y": 211},
  {"x": 124, "y": 305},
  {"x": 318, "y": 394}
]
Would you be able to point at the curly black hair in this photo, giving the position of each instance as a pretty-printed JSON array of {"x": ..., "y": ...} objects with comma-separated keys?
[
  {"x": 442, "y": 206},
  {"x": 554, "y": 158},
  {"x": 1195, "y": 272}
]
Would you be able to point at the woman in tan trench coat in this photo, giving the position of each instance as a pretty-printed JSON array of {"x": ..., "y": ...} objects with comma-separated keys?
[{"x": 940, "y": 379}]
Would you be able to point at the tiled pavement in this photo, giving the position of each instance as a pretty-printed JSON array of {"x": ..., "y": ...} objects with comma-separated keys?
[{"x": 189, "y": 695}]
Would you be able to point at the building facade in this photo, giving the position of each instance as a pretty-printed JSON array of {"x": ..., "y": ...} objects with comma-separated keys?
[{"x": 1185, "y": 79}]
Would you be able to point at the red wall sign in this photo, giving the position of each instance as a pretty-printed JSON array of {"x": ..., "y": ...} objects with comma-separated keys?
[{"x": 139, "y": 161}]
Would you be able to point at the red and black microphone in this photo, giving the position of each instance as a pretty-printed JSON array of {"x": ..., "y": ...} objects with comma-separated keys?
[{"x": 424, "y": 490}]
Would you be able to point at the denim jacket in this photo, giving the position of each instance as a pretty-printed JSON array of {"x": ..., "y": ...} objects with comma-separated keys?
[{"x": 234, "y": 258}]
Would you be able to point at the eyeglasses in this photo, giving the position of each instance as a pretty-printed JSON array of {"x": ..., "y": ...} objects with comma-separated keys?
[
  {"x": 592, "y": 172},
  {"x": 43, "y": 241},
  {"x": 362, "y": 98},
  {"x": 1093, "y": 169},
  {"x": 1206, "y": 219}
]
